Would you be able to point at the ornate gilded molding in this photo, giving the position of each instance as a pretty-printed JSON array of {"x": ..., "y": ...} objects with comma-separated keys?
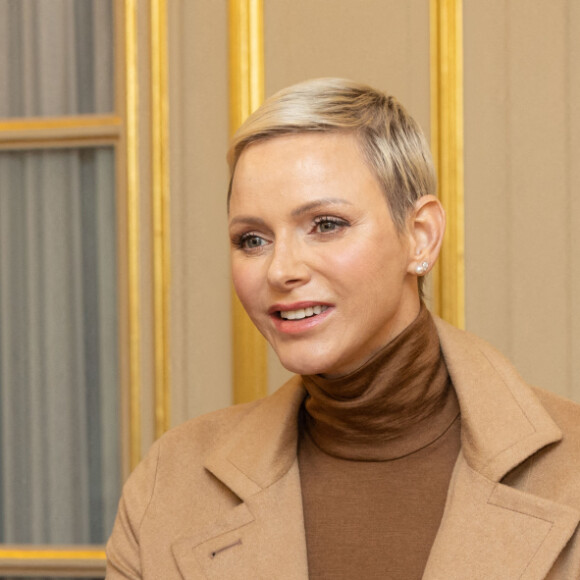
[
  {"x": 86, "y": 123},
  {"x": 47, "y": 132},
  {"x": 47, "y": 560},
  {"x": 133, "y": 235},
  {"x": 160, "y": 209},
  {"x": 447, "y": 146},
  {"x": 246, "y": 67}
]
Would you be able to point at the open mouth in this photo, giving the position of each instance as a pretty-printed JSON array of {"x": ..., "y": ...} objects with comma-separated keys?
[{"x": 301, "y": 313}]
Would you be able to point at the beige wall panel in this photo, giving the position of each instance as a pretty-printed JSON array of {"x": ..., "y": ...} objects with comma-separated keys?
[
  {"x": 201, "y": 333},
  {"x": 381, "y": 42},
  {"x": 538, "y": 188},
  {"x": 487, "y": 146},
  {"x": 519, "y": 259}
]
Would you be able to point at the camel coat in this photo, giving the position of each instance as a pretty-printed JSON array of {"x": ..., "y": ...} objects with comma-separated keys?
[{"x": 220, "y": 498}]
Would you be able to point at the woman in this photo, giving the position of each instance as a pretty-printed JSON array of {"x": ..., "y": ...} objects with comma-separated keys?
[{"x": 403, "y": 448}]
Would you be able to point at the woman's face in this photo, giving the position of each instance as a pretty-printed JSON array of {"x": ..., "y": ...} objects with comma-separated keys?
[{"x": 316, "y": 258}]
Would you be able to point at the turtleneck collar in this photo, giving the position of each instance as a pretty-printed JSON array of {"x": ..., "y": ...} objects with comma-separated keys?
[{"x": 400, "y": 401}]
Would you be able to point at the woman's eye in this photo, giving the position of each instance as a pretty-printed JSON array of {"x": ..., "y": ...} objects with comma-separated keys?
[
  {"x": 328, "y": 225},
  {"x": 251, "y": 242}
]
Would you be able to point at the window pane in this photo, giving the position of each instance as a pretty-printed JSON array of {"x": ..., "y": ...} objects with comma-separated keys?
[
  {"x": 56, "y": 58},
  {"x": 59, "y": 425}
]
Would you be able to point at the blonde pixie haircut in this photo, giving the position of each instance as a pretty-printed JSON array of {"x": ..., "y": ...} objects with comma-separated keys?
[{"x": 392, "y": 143}]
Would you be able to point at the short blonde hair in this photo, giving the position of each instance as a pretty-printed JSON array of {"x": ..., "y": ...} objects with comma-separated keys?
[{"x": 392, "y": 143}]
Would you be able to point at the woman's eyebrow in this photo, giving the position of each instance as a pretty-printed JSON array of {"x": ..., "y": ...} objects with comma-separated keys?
[
  {"x": 318, "y": 203},
  {"x": 247, "y": 219}
]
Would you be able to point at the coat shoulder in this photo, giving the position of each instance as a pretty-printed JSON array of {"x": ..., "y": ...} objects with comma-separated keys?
[
  {"x": 181, "y": 454},
  {"x": 203, "y": 433},
  {"x": 176, "y": 458}
]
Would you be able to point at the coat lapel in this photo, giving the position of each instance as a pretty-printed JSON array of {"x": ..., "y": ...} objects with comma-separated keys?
[
  {"x": 257, "y": 539},
  {"x": 502, "y": 422},
  {"x": 263, "y": 536},
  {"x": 490, "y": 530}
]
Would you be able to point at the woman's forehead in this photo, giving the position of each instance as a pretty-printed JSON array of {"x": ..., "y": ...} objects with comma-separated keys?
[{"x": 305, "y": 158}]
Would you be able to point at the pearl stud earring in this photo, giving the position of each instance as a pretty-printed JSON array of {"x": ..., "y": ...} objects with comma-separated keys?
[{"x": 422, "y": 268}]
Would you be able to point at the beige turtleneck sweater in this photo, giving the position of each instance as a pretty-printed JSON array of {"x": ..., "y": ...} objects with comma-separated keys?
[{"x": 376, "y": 452}]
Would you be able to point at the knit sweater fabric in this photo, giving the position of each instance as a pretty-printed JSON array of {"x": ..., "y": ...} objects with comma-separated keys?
[{"x": 376, "y": 452}]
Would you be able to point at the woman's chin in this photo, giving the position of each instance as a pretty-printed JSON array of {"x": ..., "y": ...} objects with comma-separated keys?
[
  {"x": 310, "y": 357},
  {"x": 303, "y": 367}
]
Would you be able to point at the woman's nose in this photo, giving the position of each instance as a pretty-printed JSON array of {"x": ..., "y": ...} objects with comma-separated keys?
[{"x": 287, "y": 268}]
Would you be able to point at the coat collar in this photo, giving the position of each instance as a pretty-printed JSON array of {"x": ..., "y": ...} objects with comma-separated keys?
[
  {"x": 488, "y": 529},
  {"x": 502, "y": 422},
  {"x": 263, "y": 447}
]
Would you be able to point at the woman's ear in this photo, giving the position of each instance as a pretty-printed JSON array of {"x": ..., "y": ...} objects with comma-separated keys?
[{"x": 426, "y": 226}]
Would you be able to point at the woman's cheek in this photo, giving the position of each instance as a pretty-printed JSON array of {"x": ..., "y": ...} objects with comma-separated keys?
[
  {"x": 249, "y": 281},
  {"x": 351, "y": 258},
  {"x": 242, "y": 281}
]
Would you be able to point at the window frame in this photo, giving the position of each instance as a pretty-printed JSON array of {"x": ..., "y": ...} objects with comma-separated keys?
[{"x": 138, "y": 132}]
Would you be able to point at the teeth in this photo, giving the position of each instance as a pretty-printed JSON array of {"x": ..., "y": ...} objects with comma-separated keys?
[{"x": 302, "y": 312}]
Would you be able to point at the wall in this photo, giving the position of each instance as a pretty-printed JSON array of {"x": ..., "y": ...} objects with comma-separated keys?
[
  {"x": 200, "y": 323},
  {"x": 522, "y": 177}
]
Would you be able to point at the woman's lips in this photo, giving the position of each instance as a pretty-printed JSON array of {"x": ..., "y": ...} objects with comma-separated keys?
[{"x": 299, "y": 317}]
